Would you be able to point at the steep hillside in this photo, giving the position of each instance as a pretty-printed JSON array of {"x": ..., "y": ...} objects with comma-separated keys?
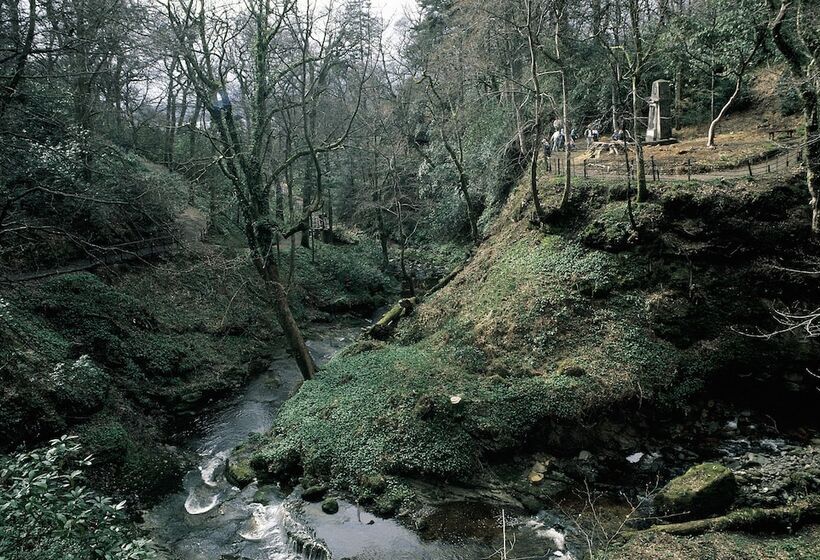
[
  {"x": 125, "y": 357},
  {"x": 549, "y": 331}
]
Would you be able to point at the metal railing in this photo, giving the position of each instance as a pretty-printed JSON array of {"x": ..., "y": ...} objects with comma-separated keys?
[{"x": 779, "y": 163}]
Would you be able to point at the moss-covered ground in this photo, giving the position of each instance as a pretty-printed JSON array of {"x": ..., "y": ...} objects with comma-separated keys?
[
  {"x": 551, "y": 328},
  {"x": 804, "y": 545},
  {"x": 124, "y": 358}
]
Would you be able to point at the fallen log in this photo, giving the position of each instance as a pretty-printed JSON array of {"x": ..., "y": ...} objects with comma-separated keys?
[
  {"x": 446, "y": 280},
  {"x": 779, "y": 519},
  {"x": 385, "y": 326}
]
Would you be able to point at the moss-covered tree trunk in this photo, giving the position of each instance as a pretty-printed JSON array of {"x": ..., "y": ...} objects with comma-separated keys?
[
  {"x": 811, "y": 140},
  {"x": 244, "y": 147},
  {"x": 637, "y": 71},
  {"x": 801, "y": 49},
  {"x": 537, "y": 117}
]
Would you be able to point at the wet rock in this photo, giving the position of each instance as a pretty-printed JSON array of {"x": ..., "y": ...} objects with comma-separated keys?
[
  {"x": 705, "y": 489},
  {"x": 262, "y": 496},
  {"x": 635, "y": 457},
  {"x": 540, "y": 466},
  {"x": 238, "y": 472},
  {"x": 314, "y": 493},
  {"x": 776, "y": 479},
  {"x": 754, "y": 460},
  {"x": 330, "y": 506},
  {"x": 258, "y": 366},
  {"x": 584, "y": 455}
]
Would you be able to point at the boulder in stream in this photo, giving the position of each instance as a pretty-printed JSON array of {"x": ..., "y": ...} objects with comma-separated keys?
[
  {"x": 705, "y": 489},
  {"x": 314, "y": 493},
  {"x": 330, "y": 506},
  {"x": 238, "y": 472}
]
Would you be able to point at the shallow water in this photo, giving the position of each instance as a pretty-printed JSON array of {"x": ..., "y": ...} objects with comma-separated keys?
[{"x": 212, "y": 520}]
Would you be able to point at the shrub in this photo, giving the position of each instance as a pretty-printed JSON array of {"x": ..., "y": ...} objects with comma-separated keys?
[{"x": 47, "y": 513}]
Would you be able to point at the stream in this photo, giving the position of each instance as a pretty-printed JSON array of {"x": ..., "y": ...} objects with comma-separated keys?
[{"x": 212, "y": 520}]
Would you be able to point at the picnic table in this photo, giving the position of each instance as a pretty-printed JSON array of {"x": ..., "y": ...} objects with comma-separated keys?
[{"x": 613, "y": 147}]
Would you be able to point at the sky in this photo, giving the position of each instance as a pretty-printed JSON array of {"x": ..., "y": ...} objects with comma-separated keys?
[{"x": 393, "y": 9}]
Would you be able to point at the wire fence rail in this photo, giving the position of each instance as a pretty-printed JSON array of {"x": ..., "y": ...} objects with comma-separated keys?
[{"x": 779, "y": 163}]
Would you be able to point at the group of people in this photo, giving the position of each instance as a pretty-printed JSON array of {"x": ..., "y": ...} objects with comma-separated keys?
[{"x": 559, "y": 140}]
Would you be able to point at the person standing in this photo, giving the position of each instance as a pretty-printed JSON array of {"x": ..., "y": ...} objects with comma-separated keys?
[
  {"x": 556, "y": 140},
  {"x": 547, "y": 149}
]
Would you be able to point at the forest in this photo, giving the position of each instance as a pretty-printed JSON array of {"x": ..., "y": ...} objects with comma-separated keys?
[{"x": 409, "y": 279}]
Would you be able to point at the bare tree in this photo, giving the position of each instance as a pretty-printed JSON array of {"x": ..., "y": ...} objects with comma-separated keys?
[
  {"x": 19, "y": 42},
  {"x": 243, "y": 141}
]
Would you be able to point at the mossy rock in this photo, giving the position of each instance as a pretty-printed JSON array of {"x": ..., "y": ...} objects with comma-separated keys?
[
  {"x": 330, "y": 506},
  {"x": 263, "y": 495},
  {"x": 705, "y": 489},
  {"x": 314, "y": 493},
  {"x": 239, "y": 472},
  {"x": 258, "y": 365},
  {"x": 277, "y": 461},
  {"x": 374, "y": 483}
]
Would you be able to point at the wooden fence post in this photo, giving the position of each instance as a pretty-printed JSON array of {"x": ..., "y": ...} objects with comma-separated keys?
[
  {"x": 689, "y": 170},
  {"x": 749, "y": 165},
  {"x": 585, "y": 168}
]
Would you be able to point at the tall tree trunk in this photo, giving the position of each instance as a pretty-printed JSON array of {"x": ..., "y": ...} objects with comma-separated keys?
[
  {"x": 678, "y": 94},
  {"x": 802, "y": 66},
  {"x": 811, "y": 140},
  {"x": 9, "y": 88},
  {"x": 291, "y": 330},
  {"x": 637, "y": 71},
  {"x": 537, "y": 117},
  {"x": 710, "y": 136},
  {"x": 192, "y": 134},
  {"x": 377, "y": 199},
  {"x": 567, "y": 151},
  {"x": 640, "y": 171},
  {"x": 464, "y": 187}
]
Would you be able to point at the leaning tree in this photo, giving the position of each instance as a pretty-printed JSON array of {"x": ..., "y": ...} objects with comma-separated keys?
[{"x": 261, "y": 50}]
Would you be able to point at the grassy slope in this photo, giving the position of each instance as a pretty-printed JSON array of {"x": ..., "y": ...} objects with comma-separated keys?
[
  {"x": 805, "y": 545},
  {"x": 542, "y": 331}
]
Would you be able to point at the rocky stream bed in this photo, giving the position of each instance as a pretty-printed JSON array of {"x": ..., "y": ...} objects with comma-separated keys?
[{"x": 541, "y": 507}]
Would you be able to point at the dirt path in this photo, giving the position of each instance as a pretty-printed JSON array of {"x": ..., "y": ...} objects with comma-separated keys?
[
  {"x": 141, "y": 250},
  {"x": 191, "y": 224}
]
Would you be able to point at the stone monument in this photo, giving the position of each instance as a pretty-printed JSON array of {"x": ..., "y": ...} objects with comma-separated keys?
[{"x": 659, "y": 127}]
